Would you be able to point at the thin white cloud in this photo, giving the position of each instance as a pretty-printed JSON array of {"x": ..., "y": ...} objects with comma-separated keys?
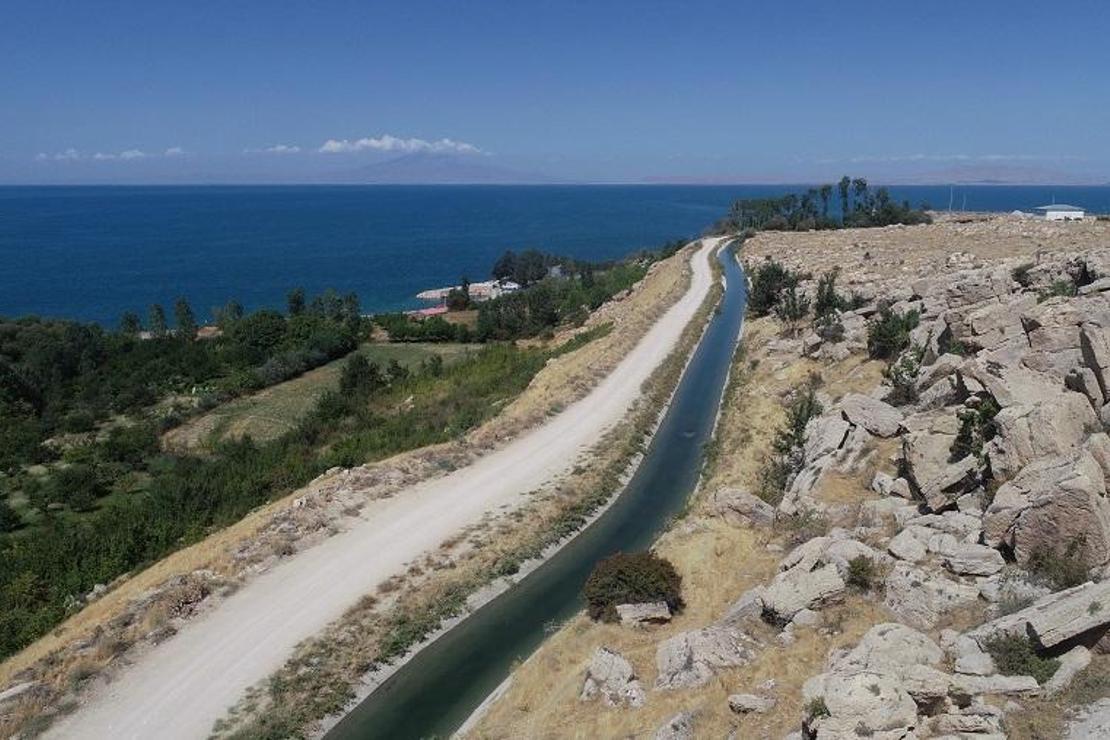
[
  {"x": 73, "y": 155},
  {"x": 275, "y": 149},
  {"x": 388, "y": 143},
  {"x": 62, "y": 156}
]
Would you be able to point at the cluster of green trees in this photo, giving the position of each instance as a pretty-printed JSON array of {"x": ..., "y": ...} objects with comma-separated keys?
[
  {"x": 158, "y": 502},
  {"x": 65, "y": 376},
  {"x": 552, "y": 301},
  {"x": 859, "y": 206},
  {"x": 401, "y": 328},
  {"x": 547, "y": 298}
]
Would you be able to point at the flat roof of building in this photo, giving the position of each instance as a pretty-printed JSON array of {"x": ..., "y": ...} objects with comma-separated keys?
[{"x": 1058, "y": 207}]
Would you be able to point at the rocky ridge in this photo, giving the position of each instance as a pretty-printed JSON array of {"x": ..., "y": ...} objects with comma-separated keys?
[{"x": 988, "y": 526}]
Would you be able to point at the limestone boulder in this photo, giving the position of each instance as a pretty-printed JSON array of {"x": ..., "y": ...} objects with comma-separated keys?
[
  {"x": 890, "y": 647},
  {"x": 877, "y": 417},
  {"x": 610, "y": 677},
  {"x": 678, "y": 727},
  {"x": 740, "y": 507},
  {"x": 964, "y": 686},
  {"x": 860, "y": 704},
  {"x": 939, "y": 480},
  {"x": 644, "y": 614},
  {"x": 906, "y": 546},
  {"x": 798, "y": 589},
  {"x": 1090, "y": 722},
  {"x": 1055, "y": 423},
  {"x": 1054, "y": 504},
  {"x": 689, "y": 659},
  {"x": 1053, "y": 619},
  {"x": 919, "y": 597},
  {"x": 1071, "y": 664},
  {"x": 750, "y": 703},
  {"x": 975, "y": 560}
]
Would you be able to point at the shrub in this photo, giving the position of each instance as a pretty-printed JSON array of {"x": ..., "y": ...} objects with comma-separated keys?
[
  {"x": 791, "y": 306},
  {"x": 903, "y": 376},
  {"x": 1014, "y": 656},
  {"x": 828, "y": 301},
  {"x": 628, "y": 578},
  {"x": 1020, "y": 274},
  {"x": 1064, "y": 288},
  {"x": 1060, "y": 569},
  {"x": 769, "y": 280},
  {"x": 816, "y": 708},
  {"x": 862, "y": 573},
  {"x": 890, "y": 334}
]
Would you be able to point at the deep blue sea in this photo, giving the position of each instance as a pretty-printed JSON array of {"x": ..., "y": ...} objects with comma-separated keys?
[{"x": 92, "y": 253}]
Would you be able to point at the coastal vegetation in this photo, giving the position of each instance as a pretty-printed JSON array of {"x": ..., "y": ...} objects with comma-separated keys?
[
  {"x": 859, "y": 204},
  {"x": 374, "y": 633},
  {"x": 552, "y": 291},
  {"x": 92, "y": 488},
  {"x": 160, "y": 501}
]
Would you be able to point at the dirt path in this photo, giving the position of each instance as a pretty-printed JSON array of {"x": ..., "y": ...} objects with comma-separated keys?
[{"x": 180, "y": 688}]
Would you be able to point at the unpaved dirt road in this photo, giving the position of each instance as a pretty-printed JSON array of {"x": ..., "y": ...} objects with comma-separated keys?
[{"x": 180, "y": 688}]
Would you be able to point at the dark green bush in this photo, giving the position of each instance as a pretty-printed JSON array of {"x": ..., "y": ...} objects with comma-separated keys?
[
  {"x": 1061, "y": 568},
  {"x": 1020, "y": 274},
  {"x": 888, "y": 335},
  {"x": 1014, "y": 656},
  {"x": 768, "y": 281},
  {"x": 862, "y": 573},
  {"x": 630, "y": 578}
]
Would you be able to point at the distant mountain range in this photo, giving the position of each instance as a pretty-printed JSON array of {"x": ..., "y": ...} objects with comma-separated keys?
[{"x": 434, "y": 168}]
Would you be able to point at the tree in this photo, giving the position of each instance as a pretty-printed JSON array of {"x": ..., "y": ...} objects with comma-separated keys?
[
  {"x": 130, "y": 324},
  {"x": 458, "y": 299},
  {"x": 360, "y": 375},
  {"x": 258, "y": 333},
  {"x": 229, "y": 314},
  {"x": 9, "y": 520},
  {"x": 630, "y": 578},
  {"x": 295, "y": 302},
  {"x": 826, "y": 194},
  {"x": 531, "y": 267},
  {"x": 158, "y": 326},
  {"x": 505, "y": 266},
  {"x": 843, "y": 187},
  {"x": 859, "y": 190},
  {"x": 827, "y": 301},
  {"x": 351, "y": 311},
  {"x": 186, "y": 321}
]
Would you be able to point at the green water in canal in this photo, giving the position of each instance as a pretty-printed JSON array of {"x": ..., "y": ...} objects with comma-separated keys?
[{"x": 434, "y": 693}]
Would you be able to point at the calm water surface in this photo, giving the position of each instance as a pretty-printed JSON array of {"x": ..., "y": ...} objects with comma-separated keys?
[
  {"x": 435, "y": 692},
  {"x": 92, "y": 253}
]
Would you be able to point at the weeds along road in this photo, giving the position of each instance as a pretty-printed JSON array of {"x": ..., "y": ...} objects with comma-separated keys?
[{"x": 180, "y": 688}]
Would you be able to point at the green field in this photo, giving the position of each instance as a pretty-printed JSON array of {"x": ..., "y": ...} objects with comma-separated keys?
[{"x": 268, "y": 413}]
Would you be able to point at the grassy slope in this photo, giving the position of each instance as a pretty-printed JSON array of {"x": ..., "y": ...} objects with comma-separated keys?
[{"x": 266, "y": 414}]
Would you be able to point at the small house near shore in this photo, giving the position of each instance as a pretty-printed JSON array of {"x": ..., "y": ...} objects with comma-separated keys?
[{"x": 1061, "y": 212}]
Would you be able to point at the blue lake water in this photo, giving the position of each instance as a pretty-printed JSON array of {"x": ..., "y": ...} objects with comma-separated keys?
[{"x": 92, "y": 253}]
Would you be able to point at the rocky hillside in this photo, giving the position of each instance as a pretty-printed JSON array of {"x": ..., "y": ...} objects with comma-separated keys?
[{"x": 914, "y": 546}]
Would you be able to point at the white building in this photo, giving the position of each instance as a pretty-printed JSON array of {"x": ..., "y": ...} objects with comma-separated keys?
[{"x": 1061, "y": 212}]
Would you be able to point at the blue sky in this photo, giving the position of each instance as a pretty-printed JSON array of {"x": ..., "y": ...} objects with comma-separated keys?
[{"x": 741, "y": 91}]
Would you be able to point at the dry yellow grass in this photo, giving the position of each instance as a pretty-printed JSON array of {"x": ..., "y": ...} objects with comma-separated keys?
[
  {"x": 718, "y": 562},
  {"x": 563, "y": 380}
]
